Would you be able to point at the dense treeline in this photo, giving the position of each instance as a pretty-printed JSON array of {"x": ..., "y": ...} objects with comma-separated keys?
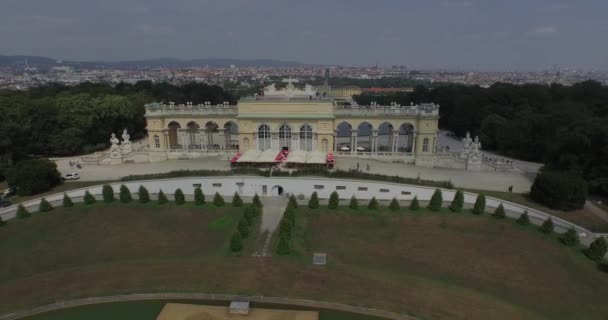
[
  {"x": 57, "y": 120},
  {"x": 565, "y": 127}
]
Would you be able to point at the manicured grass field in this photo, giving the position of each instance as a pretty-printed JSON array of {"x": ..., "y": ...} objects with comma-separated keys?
[{"x": 431, "y": 265}]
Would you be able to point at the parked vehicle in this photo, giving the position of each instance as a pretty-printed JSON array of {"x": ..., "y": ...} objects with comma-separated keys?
[
  {"x": 11, "y": 191},
  {"x": 4, "y": 203},
  {"x": 71, "y": 176}
]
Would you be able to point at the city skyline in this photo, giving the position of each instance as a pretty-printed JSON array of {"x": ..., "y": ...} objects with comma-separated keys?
[{"x": 454, "y": 34}]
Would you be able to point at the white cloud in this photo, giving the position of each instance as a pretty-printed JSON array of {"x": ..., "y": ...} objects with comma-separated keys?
[{"x": 545, "y": 30}]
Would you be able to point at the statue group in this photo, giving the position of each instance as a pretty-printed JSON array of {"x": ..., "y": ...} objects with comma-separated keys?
[
  {"x": 118, "y": 148},
  {"x": 471, "y": 152}
]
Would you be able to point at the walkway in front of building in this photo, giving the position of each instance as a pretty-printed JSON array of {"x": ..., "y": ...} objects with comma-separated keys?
[{"x": 274, "y": 207}]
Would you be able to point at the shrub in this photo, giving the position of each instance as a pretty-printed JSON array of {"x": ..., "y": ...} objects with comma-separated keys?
[
  {"x": 373, "y": 204},
  {"x": 88, "y": 198},
  {"x": 436, "y": 201},
  {"x": 283, "y": 247},
  {"x": 559, "y": 190},
  {"x": 162, "y": 198},
  {"x": 394, "y": 206},
  {"x": 293, "y": 202},
  {"x": 334, "y": 200},
  {"x": 33, "y": 176},
  {"x": 67, "y": 201},
  {"x": 457, "y": 202},
  {"x": 125, "y": 194},
  {"x": 22, "y": 212},
  {"x": 236, "y": 242},
  {"x": 547, "y": 226},
  {"x": 313, "y": 203},
  {"x": 285, "y": 228},
  {"x": 524, "y": 219},
  {"x": 290, "y": 216},
  {"x": 199, "y": 196},
  {"x": 243, "y": 228},
  {"x": 480, "y": 204},
  {"x": 354, "y": 203},
  {"x": 218, "y": 200},
  {"x": 107, "y": 193},
  {"x": 414, "y": 205},
  {"x": 45, "y": 206},
  {"x": 597, "y": 249},
  {"x": 499, "y": 213},
  {"x": 179, "y": 197},
  {"x": 144, "y": 195},
  {"x": 256, "y": 201},
  {"x": 236, "y": 200},
  {"x": 570, "y": 238}
]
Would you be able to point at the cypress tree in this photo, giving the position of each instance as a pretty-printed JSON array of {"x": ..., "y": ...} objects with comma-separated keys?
[
  {"x": 414, "y": 205},
  {"x": 547, "y": 226},
  {"x": 480, "y": 204},
  {"x": 45, "y": 206},
  {"x": 597, "y": 249},
  {"x": 67, "y": 201},
  {"x": 88, "y": 198},
  {"x": 436, "y": 201},
  {"x": 162, "y": 198},
  {"x": 199, "y": 196},
  {"x": 457, "y": 202},
  {"x": 144, "y": 195},
  {"x": 218, "y": 200},
  {"x": 394, "y": 206},
  {"x": 108, "y": 193},
  {"x": 256, "y": 201},
  {"x": 125, "y": 194},
  {"x": 293, "y": 202},
  {"x": 354, "y": 203},
  {"x": 22, "y": 212},
  {"x": 236, "y": 200},
  {"x": 290, "y": 216},
  {"x": 334, "y": 201},
  {"x": 373, "y": 204},
  {"x": 283, "y": 246},
  {"x": 570, "y": 238},
  {"x": 236, "y": 242},
  {"x": 524, "y": 219},
  {"x": 249, "y": 214},
  {"x": 313, "y": 203},
  {"x": 243, "y": 228},
  {"x": 499, "y": 213},
  {"x": 285, "y": 228},
  {"x": 179, "y": 197}
]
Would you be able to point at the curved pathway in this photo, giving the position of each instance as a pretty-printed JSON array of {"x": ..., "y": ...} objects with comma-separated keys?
[{"x": 205, "y": 296}]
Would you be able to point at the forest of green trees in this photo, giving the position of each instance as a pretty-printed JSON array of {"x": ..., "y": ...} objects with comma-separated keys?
[{"x": 565, "y": 127}]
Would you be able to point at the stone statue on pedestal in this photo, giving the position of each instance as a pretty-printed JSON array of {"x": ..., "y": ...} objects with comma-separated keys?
[
  {"x": 114, "y": 147},
  {"x": 476, "y": 148},
  {"x": 466, "y": 146},
  {"x": 126, "y": 142}
]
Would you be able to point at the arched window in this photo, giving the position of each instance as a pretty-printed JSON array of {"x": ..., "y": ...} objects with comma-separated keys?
[
  {"x": 285, "y": 136},
  {"x": 263, "y": 137},
  {"x": 306, "y": 138},
  {"x": 157, "y": 142},
  {"x": 425, "y": 145}
]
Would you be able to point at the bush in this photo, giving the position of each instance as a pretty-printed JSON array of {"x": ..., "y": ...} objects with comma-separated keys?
[
  {"x": 313, "y": 203},
  {"x": 354, "y": 203},
  {"x": 570, "y": 238},
  {"x": 597, "y": 249},
  {"x": 33, "y": 176},
  {"x": 285, "y": 228},
  {"x": 22, "y": 212},
  {"x": 293, "y": 202},
  {"x": 547, "y": 226},
  {"x": 243, "y": 228},
  {"x": 256, "y": 201},
  {"x": 373, "y": 204},
  {"x": 144, "y": 195},
  {"x": 414, "y": 205},
  {"x": 218, "y": 200},
  {"x": 125, "y": 194},
  {"x": 334, "y": 200},
  {"x": 283, "y": 246},
  {"x": 107, "y": 193},
  {"x": 45, "y": 206},
  {"x": 162, "y": 198},
  {"x": 524, "y": 219},
  {"x": 251, "y": 212},
  {"x": 199, "y": 196},
  {"x": 436, "y": 201},
  {"x": 394, "y": 206},
  {"x": 89, "y": 198},
  {"x": 559, "y": 190},
  {"x": 179, "y": 197},
  {"x": 480, "y": 204},
  {"x": 236, "y": 242},
  {"x": 457, "y": 202},
  {"x": 236, "y": 200},
  {"x": 67, "y": 201},
  {"x": 499, "y": 213}
]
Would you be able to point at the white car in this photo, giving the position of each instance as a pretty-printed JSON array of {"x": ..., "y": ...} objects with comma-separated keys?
[{"x": 71, "y": 176}]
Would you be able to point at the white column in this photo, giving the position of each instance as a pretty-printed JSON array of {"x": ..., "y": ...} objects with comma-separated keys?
[
  {"x": 355, "y": 137},
  {"x": 414, "y": 142},
  {"x": 335, "y": 140},
  {"x": 166, "y": 136}
]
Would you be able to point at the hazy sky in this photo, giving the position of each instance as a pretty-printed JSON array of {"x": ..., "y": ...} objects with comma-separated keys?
[{"x": 480, "y": 34}]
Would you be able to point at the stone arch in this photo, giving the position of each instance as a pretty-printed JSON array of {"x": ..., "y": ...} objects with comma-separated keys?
[
  {"x": 211, "y": 130},
  {"x": 192, "y": 130},
  {"x": 343, "y": 135},
  {"x": 406, "y": 137},
  {"x": 364, "y": 136},
  {"x": 306, "y": 137},
  {"x": 231, "y": 133},
  {"x": 385, "y": 137},
  {"x": 285, "y": 136},
  {"x": 173, "y": 128},
  {"x": 263, "y": 136}
]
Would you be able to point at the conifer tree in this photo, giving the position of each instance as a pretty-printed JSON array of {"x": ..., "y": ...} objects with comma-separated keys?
[
  {"x": 218, "y": 200},
  {"x": 597, "y": 249},
  {"x": 414, "y": 205},
  {"x": 22, "y": 212},
  {"x": 45, "y": 206},
  {"x": 436, "y": 201},
  {"x": 313, "y": 203},
  {"x": 283, "y": 246},
  {"x": 67, "y": 201},
  {"x": 249, "y": 214},
  {"x": 570, "y": 238},
  {"x": 243, "y": 228},
  {"x": 334, "y": 200},
  {"x": 354, "y": 203},
  {"x": 499, "y": 213},
  {"x": 524, "y": 219},
  {"x": 236, "y": 242},
  {"x": 256, "y": 201},
  {"x": 199, "y": 196},
  {"x": 547, "y": 226},
  {"x": 89, "y": 198},
  {"x": 480, "y": 204},
  {"x": 107, "y": 193},
  {"x": 124, "y": 194},
  {"x": 162, "y": 198},
  {"x": 236, "y": 200},
  {"x": 143, "y": 194},
  {"x": 293, "y": 202},
  {"x": 373, "y": 204},
  {"x": 394, "y": 205},
  {"x": 457, "y": 202},
  {"x": 179, "y": 197}
]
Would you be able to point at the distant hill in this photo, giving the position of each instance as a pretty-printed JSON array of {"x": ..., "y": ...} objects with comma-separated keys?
[{"x": 44, "y": 62}]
